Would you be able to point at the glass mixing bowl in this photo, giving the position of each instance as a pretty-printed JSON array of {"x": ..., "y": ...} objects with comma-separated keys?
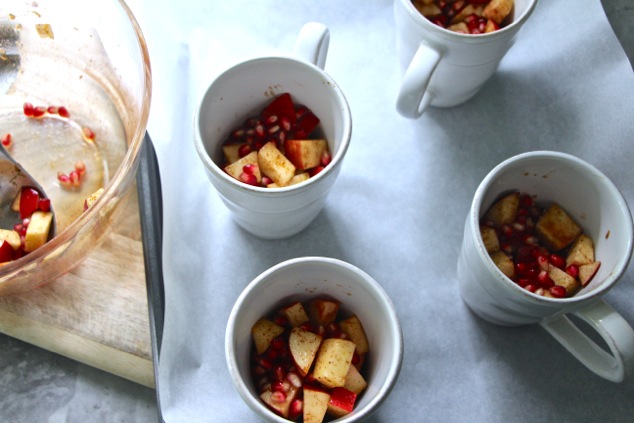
[{"x": 91, "y": 59}]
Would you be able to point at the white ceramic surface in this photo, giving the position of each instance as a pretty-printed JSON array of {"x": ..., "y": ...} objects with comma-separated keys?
[
  {"x": 596, "y": 204},
  {"x": 444, "y": 68},
  {"x": 301, "y": 279},
  {"x": 243, "y": 91}
]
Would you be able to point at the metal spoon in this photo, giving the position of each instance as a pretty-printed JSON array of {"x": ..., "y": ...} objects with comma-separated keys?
[{"x": 12, "y": 178}]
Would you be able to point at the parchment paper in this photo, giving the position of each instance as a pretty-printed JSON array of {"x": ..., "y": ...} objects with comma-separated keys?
[{"x": 398, "y": 208}]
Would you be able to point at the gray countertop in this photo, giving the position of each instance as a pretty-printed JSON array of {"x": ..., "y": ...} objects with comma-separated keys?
[{"x": 39, "y": 386}]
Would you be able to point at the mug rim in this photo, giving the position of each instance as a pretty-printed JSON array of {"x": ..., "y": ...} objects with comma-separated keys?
[
  {"x": 337, "y": 158},
  {"x": 371, "y": 285},
  {"x": 476, "y": 208},
  {"x": 472, "y": 38}
]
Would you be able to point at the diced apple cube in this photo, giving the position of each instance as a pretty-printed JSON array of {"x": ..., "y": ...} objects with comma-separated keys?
[
  {"x": 556, "y": 228},
  {"x": 498, "y": 10},
  {"x": 300, "y": 177},
  {"x": 354, "y": 331},
  {"x": 11, "y": 237},
  {"x": 236, "y": 168},
  {"x": 322, "y": 311},
  {"x": 354, "y": 381},
  {"x": 490, "y": 239},
  {"x": 315, "y": 404},
  {"x": 588, "y": 271},
  {"x": 275, "y": 165},
  {"x": 279, "y": 402},
  {"x": 504, "y": 263},
  {"x": 341, "y": 402},
  {"x": 559, "y": 277},
  {"x": 460, "y": 27},
  {"x": 263, "y": 332},
  {"x": 427, "y": 9},
  {"x": 92, "y": 198},
  {"x": 303, "y": 346},
  {"x": 333, "y": 361},
  {"x": 231, "y": 152},
  {"x": 37, "y": 231},
  {"x": 504, "y": 211},
  {"x": 491, "y": 26},
  {"x": 581, "y": 252},
  {"x": 295, "y": 313},
  {"x": 305, "y": 154}
]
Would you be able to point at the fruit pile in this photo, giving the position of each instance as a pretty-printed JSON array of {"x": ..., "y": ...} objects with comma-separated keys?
[
  {"x": 542, "y": 250},
  {"x": 466, "y": 16},
  {"x": 274, "y": 149},
  {"x": 33, "y": 230},
  {"x": 306, "y": 363}
]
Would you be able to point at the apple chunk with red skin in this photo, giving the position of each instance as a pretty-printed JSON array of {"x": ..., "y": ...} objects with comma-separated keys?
[
  {"x": 305, "y": 154},
  {"x": 588, "y": 271},
  {"x": 236, "y": 168},
  {"x": 322, "y": 311},
  {"x": 304, "y": 346},
  {"x": 341, "y": 402}
]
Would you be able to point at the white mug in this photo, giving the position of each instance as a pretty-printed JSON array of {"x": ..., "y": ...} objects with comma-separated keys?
[
  {"x": 242, "y": 91},
  {"x": 592, "y": 200},
  {"x": 445, "y": 68}
]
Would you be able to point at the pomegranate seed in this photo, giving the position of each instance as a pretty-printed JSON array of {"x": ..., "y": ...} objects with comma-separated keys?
[
  {"x": 506, "y": 247},
  {"x": 237, "y": 134},
  {"x": 557, "y": 261},
  {"x": 271, "y": 119},
  {"x": 278, "y": 397},
  {"x": 74, "y": 178},
  {"x": 280, "y": 374},
  {"x": 526, "y": 201},
  {"x": 296, "y": 409},
  {"x": 286, "y": 123},
  {"x": 544, "y": 279},
  {"x": 539, "y": 291},
  {"x": 314, "y": 171},
  {"x": 6, "y": 140},
  {"x": 63, "y": 112},
  {"x": 355, "y": 358},
  {"x": 89, "y": 135},
  {"x": 573, "y": 270},
  {"x": 44, "y": 204},
  {"x": 259, "y": 130},
  {"x": 52, "y": 110},
  {"x": 272, "y": 354},
  {"x": 277, "y": 343},
  {"x": 294, "y": 380},
  {"x": 243, "y": 150},
  {"x": 248, "y": 179},
  {"x": 249, "y": 168},
  {"x": 273, "y": 129},
  {"x": 259, "y": 370},
  {"x": 38, "y": 112},
  {"x": 326, "y": 158},
  {"x": 531, "y": 240},
  {"x": 266, "y": 180},
  {"x": 521, "y": 268},
  {"x": 507, "y": 231},
  {"x": 265, "y": 363},
  {"x": 80, "y": 167},
  {"x": 530, "y": 287},
  {"x": 542, "y": 260},
  {"x": 63, "y": 178},
  {"x": 522, "y": 282},
  {"x": 519, "y": 227},
  {"x": 280, "y": 320},
  {"x": 558, "y": 291},
  {"x": 28, "y": 109}
]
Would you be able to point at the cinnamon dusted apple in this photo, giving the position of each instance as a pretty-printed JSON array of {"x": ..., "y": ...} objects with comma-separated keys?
[
  {"x": 467, "y": 16},
  {"x": 543, "y": 250},
  {"x": 307, "y": 361},
  {"x": 277, "y": 148}
]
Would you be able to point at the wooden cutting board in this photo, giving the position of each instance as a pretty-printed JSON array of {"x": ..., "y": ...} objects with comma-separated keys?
[{"x": 98, "y": 312}]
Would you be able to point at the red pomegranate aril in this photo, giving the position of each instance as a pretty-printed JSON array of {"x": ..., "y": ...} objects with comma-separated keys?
[
  {"x": 63, "y": 112},
  {"x": 278, "y": 397},
  {"x": 507, "y": 231},
  {"x": 6, "y": 140},
  {"x": 74, "y": 177},
  {"x": 557, "y": 261},
  {"x": 273, "y": 129},
  {"x": 573, "y": 270},
  {"x": 277, "y": 343},
  {"x": 28, "y": 109},
  {"x": 522, "y": 282},
  {"x": 52, "y": 110},
  {"x": 243, "y": 150},
  {"x": 286, "y": 124},
  {"x": 29, "y": 199},
  {"x": 39, "y": 112},
  {"x": 326, "y": 158},
  {"x": 80, "y": 167},
  {"x": 266, "y": 181},
  {"x": 237, "y": 134},
  {"x": 314, "y": 171},
  {"x": 542, "y": 261},
  {"x": 519, "y": 227},
  {"x": 88, "y": 133},
  {"x": 249, "y": 168},
  {"x": 294, "y": 379},
  {"x": 296, "y": 409},
  {"x": 521, "y": 268},
  {"x": 531, "y": 240},
  {"x": 530, "y": 287},
  {"x": 558, "y": 291},
  {"x": 44, "y": 204},
  {"x": 248, "y": 178}
]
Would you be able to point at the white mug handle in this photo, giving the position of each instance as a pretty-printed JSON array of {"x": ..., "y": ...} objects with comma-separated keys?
[
  {"x": 413, "y": 98},
  {"x": 312, "y": 44},
  {"x": 611, "y": 326}
]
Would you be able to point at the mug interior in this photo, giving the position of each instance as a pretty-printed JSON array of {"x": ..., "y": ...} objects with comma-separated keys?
[
  {"x": 585, "y": 193},
  {"x": 245, "y": 89},
  {"x": 304, "y": 279}
]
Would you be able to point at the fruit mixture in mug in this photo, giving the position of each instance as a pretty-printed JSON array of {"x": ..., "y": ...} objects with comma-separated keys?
[
  {"x": 466, "y": 16},
  {"x": 307, "y": 361},
  {"x": 276, "y": 148},
  {"x": 543, "y": 250}
]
